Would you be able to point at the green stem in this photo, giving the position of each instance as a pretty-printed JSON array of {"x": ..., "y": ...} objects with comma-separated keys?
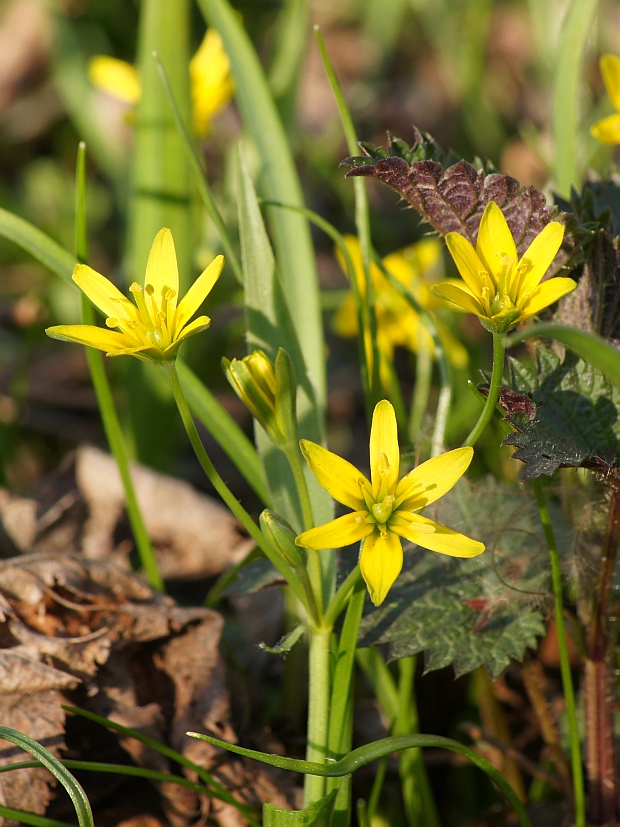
[
  {"x": 567, "y": 681},
  {"x": 341, "y": 706},
  {"x": 314, "y": 568},
  {"x": 207, "y": 466},
  {"x": 417, "y": 795},
  {"x": 294, "y": 460},
  {"x": 499, "y": 348},
  {"x": 423, "y": 377},
  {"x": 318, "y": 710},
  {"x": 341, "y": 598}
]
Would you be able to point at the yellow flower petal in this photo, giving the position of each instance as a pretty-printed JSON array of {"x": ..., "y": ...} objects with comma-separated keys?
[
  {"x": 441, "y": 539},
  {"x": 343, "y": 531},
  {"x": 467, "y": 261},
  {"x": 547, "y": 293},
  {"x": 338, "y": 477},
  {"x": 103, "y": 294},
  {"x": 162, "y": 271},
  {"x": 432, "y": 479},
  {"x": 211, "y": 80},
  {"x": 610, "y": 69},
  {"x": 538, "y": 256},
  {"x": 457, "y": 295},
  {"x": 115, "y": 77},
  {"x": 607, "y": 130},
  {"x": 198, "y": 292},
  {"x": 197, "y": 326},
  {"x": 345, "y": 319},
  {"x": 495, "y": 241},
  {"x": 91, "y": 335},
  {"x": 381, "y": 561},
  {"x": 384, "y": 452}
]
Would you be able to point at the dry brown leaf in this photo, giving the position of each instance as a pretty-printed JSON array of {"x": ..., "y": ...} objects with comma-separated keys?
[
  {"x": 88, "y": 633},
  {"x": 81, "y": 509}
]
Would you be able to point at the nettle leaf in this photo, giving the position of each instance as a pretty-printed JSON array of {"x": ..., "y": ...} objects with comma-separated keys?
[
  {"x": 595, "y": 304},
  {"x": 570, "y": 419},
  {"x": 486, "y": 610},
  {"x": 451, "y": 197}
]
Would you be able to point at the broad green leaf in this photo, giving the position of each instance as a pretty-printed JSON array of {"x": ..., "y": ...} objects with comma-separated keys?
[
  {"x": 269, "y": 326},
  {"x": 468, "y": 613},
  {"x": 318, "y": 814},
  {"x": 76, "y": 793},
  {"x": 279, "y": 182},
  {"x": 594, "y": 349},
  {"x": 565, "y": 413}
]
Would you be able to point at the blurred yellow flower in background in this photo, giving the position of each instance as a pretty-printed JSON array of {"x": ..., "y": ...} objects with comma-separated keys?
[
  {"x": 416, "y": 267},
  {"x": 212, "y": 86},
  {"x": 607, "y": 130}
]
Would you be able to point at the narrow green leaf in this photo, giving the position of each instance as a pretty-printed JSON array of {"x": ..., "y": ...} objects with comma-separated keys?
[
  {"x": 279, "y": 182},
  {"x": 269, "y": 327},
  {"x": 567, "y": 82},
  {"x": 318, "y": 814},
  {"x": 199, "y": 175},
  {"x": 160, "y": 194},
  {"x": 40, "y": 246},
  {"x": 76, "y": 793},
  {"x": 216, "y": 789},
  {"x": 284, "y": 646},
  {"x": 592, "y": 348},
  {"x": 22, "y": 817},
  {"x": 362, "y": 756}
]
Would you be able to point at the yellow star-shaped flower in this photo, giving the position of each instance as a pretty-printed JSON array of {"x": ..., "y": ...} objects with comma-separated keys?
[
  {"x": 501, "y": 289},
  {"x": 607, "y": 130},
  {"x": 385, "y": 509},
  {"x": 154, "y": 327}
]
